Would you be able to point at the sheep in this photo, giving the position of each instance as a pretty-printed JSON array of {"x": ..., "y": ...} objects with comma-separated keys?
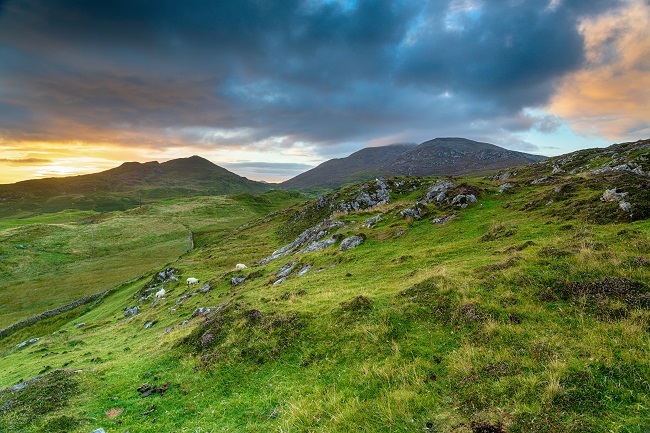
[
  {"x": 160, "y": 293},
  {"x": 240, "y": 266},
  {"x": 191, "y": 281}
]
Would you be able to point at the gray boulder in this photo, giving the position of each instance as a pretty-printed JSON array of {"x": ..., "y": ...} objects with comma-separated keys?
[
  {"x": 319, "y": 245},
  {"x": 304, "y": 270},
  {"x": 285, "y": 270},
  {"x": 612, "y": 195},
  {"x": 444, "y": 219},
  {"x": 351, "y": 242},
  {"x": 236, "y": 281},
  {"x": 370, "y": 222},
  {"x": 625, "y": 206},
  {"x": 437, "y": 193},
  {"x": 463, "y": 200},
  {"x": 506, "y": 186},
  {"x": 131, "y": 311}
]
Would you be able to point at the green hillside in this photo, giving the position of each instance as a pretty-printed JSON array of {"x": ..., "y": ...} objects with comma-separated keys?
[
  {"x": 519, "y": 302},
  {"x": 124, "y": 187}
]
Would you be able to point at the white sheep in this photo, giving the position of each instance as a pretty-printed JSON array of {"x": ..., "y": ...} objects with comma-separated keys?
[
  {"x": 160, "y": 293},
  {"x": 191, "y": 281},
  {"x": 240, "y": 266}
]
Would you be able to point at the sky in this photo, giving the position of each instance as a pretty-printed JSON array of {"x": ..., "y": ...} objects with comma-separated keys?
[{"x": 269, "y": 89}]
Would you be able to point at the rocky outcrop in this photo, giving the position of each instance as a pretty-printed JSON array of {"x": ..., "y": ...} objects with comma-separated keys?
[
  {"x": 306, "y": 238},
  {"x": 611, "y": 195},
  {"x": 437, "y": 193},
  {"x": 417, "y": 211},
  {"x": 370, "y": 222},
  {"x": 351, "y": 242},
  {"x": 463, "y": 200},
  {"x": 131, "y": 311},
  {"x": 236, "y": 281}
]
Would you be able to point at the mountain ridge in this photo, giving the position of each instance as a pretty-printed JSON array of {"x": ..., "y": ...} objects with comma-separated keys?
[
  {"x": 124, "y": 186},
  {"x": 445, "y": 156}
]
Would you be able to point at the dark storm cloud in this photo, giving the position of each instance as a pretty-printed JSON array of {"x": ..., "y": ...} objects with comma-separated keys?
[{"x": 327, "y": 72}]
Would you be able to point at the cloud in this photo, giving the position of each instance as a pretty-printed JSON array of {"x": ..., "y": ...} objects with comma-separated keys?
[
  {"x": 609, "y": 97},
  {"x": 24, "y": 161},
  {"x": 286, "y": 76}
]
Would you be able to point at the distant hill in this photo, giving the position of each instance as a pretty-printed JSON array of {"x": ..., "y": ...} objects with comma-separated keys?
[
  {"x": 361, "y": 165},
  {"x": 123, "y": 186},
  {"x": 437, "y": 157}
]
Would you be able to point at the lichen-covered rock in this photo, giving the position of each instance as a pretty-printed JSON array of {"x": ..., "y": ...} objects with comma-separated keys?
[
  {"x": 351, "y": 242},
  {"x": 308, "y": 237},
  {"x": 27, "y": 342},
  {"x": 612, "y": 195},
  {"x": 506, "y": 186},
  {"x": 417, "y": 211},
  {"x": 236, "y": 281},
  {"x": 285, "y": 270},
  {"x": 131, "y": 311},
  {"x": 304, "y": 270},
  {"x": 463, "y": 200},
  {"x": 444, "y": 219},
  {"x": 370, "y": 222},
  {"x": 437, "y": 193},
  {"x": 319, "y": 245},
  {"x": 625, "y": 206}
]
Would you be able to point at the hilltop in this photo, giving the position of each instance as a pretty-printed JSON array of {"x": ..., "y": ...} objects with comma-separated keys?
[
  {"x": 437, "y": 157},
  {"x": 122, "y": 187},
  {"x": 518, "y": 301}
]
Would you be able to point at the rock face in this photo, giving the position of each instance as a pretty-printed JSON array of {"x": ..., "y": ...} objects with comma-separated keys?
[{"x": 351, "y": 242}]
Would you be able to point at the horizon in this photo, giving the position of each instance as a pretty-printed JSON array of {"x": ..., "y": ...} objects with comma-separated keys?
[
  {"x": 269, "y": 91},
  {"x": 226, "y": 166}
]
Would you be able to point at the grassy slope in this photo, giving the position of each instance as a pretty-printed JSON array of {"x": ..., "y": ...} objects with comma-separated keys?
[
  {"x": 57, "y": 265},
  {"x": 468, "y": 326}
]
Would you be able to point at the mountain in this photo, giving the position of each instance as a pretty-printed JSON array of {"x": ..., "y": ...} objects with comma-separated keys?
[
  {"x": 122, "y": 187},
  {"x": 361, "y": 165},
  {"x": 437, "y": 157},
  {"x": 456, "y": 156}
]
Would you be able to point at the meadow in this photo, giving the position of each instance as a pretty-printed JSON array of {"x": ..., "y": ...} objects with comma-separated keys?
[{"x": 526, "y": 311}]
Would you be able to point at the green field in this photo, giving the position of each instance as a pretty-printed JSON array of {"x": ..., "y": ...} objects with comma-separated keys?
[{"x": 527, "y": 312}]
